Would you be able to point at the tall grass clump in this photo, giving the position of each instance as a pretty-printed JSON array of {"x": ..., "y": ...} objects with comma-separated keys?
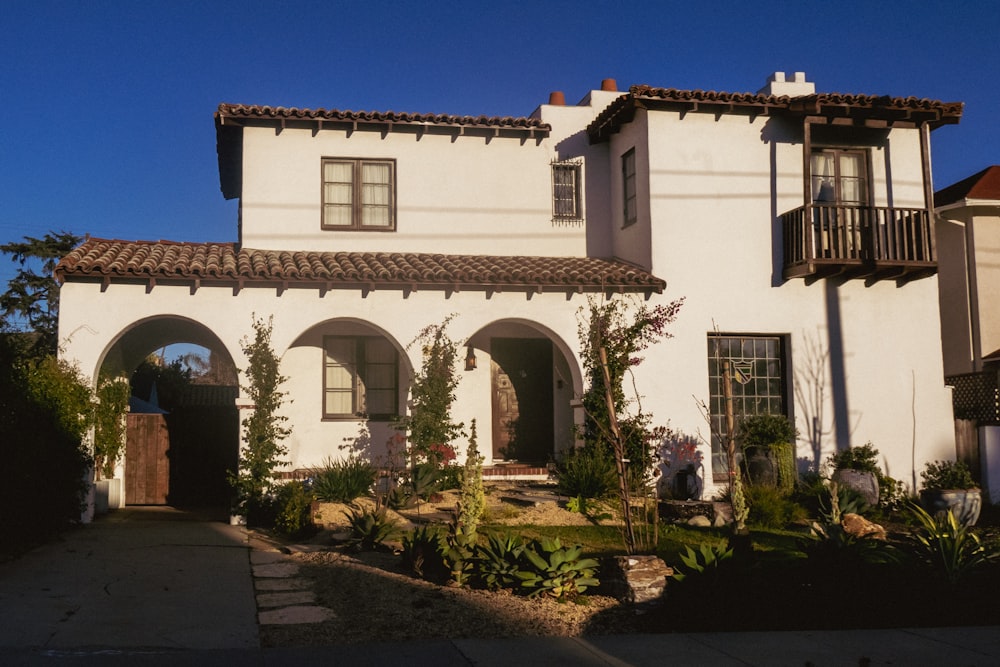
[{"x": 341, "y": 481}]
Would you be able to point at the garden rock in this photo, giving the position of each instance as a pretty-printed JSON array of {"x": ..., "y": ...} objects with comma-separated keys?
[
  {"x": 860, "y": 527},
  {"x": 699, "y": 521},
  {"x": 635, "y": 579}
]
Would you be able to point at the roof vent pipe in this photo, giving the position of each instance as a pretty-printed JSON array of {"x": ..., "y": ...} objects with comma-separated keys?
[
  {"x": 609, "y": 85},
  {"x": 556, "y": 98}
]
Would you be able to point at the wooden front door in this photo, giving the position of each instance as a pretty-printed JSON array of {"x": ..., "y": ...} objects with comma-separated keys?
[
  {"x": 521, "y": 371},
  {"x": 147, "y": 468}
]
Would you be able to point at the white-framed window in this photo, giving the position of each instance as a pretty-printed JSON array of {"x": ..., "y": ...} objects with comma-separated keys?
[
  {"x": 567, "y": 200},
  {"x": 629, "y": 197},
  {"x": 360, "y": 377},
  {"x": 359, "y": 194}
]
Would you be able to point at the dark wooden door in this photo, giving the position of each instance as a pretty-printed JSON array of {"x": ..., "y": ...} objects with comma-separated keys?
[
  {"x": 147, "y": 468},
  {"x": 522, "y": 399}
]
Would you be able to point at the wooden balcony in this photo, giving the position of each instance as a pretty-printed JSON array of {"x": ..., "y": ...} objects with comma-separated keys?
[{"x": 872, "y": 242}]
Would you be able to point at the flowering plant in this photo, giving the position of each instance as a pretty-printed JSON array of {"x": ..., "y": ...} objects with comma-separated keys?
[{"x": 680, "y": 453}]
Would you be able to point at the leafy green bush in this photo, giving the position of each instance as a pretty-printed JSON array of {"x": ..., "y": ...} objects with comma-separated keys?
[
  {"x": 946, "y": 543},
  {"x": 550, "y": 569},
  {"x": 587, "y": 473},
  {"x": 764, "y": 430},
  {"x": 343, "y": 481},
  {"x": 460, "y": 553},
  {"x": 293, "y": 510},
  {"x": 771, "y": 508},
  {"x": 863, "y": 458},
  {"x": 449, "y": 477},
  {"x": 498, "y": 562},
  {"x": 370, "y": 527},
  {"x": 423, "y": 554},
  {"x": 947, "y": 475},
  {"x": 43, "y": 407},
  {"x": 704, "y": 563}
]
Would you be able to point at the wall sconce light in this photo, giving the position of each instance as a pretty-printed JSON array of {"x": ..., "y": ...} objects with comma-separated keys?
[{"x": 470, "y": 359}]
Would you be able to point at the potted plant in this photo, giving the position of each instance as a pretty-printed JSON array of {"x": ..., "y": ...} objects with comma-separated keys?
[
  {"x": 948, "y": 485},
  {"x": 768, "y": 443},
  {"x": 110, "y": 408},
  {"x": 857, "y": 468}
]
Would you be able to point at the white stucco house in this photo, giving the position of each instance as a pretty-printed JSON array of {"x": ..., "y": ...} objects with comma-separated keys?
[
  {"x": 968, "y": 234},
  {"x": 796, "y": 224}
]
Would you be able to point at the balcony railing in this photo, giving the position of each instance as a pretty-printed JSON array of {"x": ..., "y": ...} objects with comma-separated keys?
[{"x": 875, "y": 242}]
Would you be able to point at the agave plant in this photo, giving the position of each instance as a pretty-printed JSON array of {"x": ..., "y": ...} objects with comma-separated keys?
[
  {"x": 499, "y": 561},
  {"x": 556, "y": 571},
  {"x": 947, "y": 543},
  {"x": 370, "y": 527}
]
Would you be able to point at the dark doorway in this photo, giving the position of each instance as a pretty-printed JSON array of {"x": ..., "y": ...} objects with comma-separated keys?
[{"x": 522, "y": 399}]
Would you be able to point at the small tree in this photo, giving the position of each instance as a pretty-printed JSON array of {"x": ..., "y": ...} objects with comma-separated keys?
[
  {"x": 612, "y": 335},
  {"x": 429, "y": 426},
  {"x": 32, "y": 296},
  {"x": 263, "y": 429}
]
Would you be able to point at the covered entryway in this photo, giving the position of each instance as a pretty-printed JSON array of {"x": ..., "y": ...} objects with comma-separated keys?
[
  {"x": 178, "y": 454},
  {"x": 521, "y": 381}
]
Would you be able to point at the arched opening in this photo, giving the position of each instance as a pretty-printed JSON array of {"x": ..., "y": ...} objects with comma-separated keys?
[
  {"x": 182, "y": 435},
  {"x": 533, "y": 382}
]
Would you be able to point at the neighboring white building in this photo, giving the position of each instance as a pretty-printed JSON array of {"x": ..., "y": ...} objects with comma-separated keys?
[
  {"x": 796, "y": 225},
  {"x": 968, "y": 235}
]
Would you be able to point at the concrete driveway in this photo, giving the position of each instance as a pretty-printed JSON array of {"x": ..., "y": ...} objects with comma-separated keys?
[{"x": 139, "y": 578}]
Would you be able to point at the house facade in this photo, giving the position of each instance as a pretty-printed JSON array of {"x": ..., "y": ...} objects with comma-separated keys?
[
  {"x": 968, "y": 235},
  {"x": 796, "y": 225}
]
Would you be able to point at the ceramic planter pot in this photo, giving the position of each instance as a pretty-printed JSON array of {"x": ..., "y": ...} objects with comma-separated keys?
[
  {"x": 965, "y": 504},
  {"x": 865, "y": 483}
]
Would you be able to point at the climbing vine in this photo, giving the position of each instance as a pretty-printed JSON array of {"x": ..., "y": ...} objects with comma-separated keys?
[{"x": 263, "y": 429}]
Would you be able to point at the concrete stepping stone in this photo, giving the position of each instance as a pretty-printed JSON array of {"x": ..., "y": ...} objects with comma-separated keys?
[
  {"x": 265, "y": 557},
  {"x": 285, "y": 599},
  {"x": 276, "y": 570},
  {"x": 294, "y": 615},
  {"x": 279, "y": 584}
]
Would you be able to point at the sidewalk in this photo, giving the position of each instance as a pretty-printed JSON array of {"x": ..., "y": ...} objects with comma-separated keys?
[{"x": 155, "y": 586}]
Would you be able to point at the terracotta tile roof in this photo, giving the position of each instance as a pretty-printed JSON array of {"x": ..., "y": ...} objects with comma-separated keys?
[
  {"x": 208, "y": 263},
  {"x": 984, "y": 185},
  {"x": 835, "y": 105},
  {"x": 260, "y": 112}
]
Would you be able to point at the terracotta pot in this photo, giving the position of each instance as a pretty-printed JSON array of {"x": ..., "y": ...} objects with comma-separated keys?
[{"x": 965, "y": 504}]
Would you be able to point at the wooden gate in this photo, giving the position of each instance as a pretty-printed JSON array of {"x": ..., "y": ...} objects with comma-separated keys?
[{"x": 147, "y": 468}]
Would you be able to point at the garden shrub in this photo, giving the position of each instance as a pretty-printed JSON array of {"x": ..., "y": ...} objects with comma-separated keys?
[
  {"x": 370, "y": 528},
  {"x": 44, "y": 405},
  {"x": 771, "y": 508},
  {"x": 587, "y": 473},
  {"x": 342, "y": 481},
  {"x": 293, "y": 510},
  {"x": 549, "y": 569},
  {"x": 423, "y": 554}
]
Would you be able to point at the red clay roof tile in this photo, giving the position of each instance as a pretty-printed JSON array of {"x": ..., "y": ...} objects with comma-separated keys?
[
  {"x": 983, "y": 185},
  {"x": 225, "y": 263},
  {"x": 882, "y": 107}
]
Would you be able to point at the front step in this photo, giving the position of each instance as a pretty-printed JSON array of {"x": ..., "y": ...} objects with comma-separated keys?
[{"x": 515, "y": 472}]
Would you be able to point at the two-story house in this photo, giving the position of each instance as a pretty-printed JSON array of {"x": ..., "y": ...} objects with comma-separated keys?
[
  {"x": 968, "y": 235},
  {"x": 796, "y": 225}
]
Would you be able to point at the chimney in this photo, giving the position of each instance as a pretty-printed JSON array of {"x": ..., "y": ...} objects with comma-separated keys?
[
  {"x": 556, "y": 98},
  {"x": 609, "y": 85},
  {"x": 778, "y": 85}
]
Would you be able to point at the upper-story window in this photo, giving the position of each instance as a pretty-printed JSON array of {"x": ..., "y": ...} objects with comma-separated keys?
[
  {"x": 566, "y": 199},
  {"x": 840, "y": 177},
  {"x": 629, "y": 198},
  {"x": 359, "y": 194}
]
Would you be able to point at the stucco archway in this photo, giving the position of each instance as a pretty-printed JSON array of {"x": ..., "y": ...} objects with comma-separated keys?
[
  {"x": 533, "y": 382},
  {"x": 180, "y": 455}
]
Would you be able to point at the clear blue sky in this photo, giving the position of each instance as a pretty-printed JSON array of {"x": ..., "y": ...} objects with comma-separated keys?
[{"x": 109, "y": 126}]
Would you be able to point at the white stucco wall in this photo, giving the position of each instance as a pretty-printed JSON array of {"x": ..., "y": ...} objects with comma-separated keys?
[
  {"x": 453, "y": 194},
  {"x": 716, "y": 186}
]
